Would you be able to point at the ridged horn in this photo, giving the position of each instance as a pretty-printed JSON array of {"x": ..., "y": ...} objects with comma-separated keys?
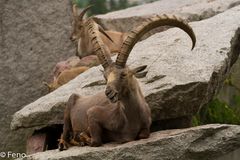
[
  {"x": 104, "y": 33},
  {"x": 150, "y": 24},
  {"x": 74, "y": 10},
  {"x": 100, "y": 49},
  {"x": 84, "y": 11}
]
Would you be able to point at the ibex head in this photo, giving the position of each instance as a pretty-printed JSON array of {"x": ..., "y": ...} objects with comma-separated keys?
[
  {"x": 120, "y": 79},
  {"x": 78, "y": 23},
  {"x": 50, "y": 86}
]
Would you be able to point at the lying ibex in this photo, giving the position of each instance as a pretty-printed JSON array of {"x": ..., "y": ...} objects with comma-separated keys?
[
  {"x": 112, "y": 39},
  {"x": 64, "y": 77},
  {"x": 121, "y": 113},
  {"x": 65, "y": 71},
  {"x": 74, "y": 62},
  {"x": 66, "y": 64}
]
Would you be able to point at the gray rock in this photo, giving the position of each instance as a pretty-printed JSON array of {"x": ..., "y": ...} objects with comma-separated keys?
[
  {"x": 207, "y": 142},
  {"x": 34, "y": 35},
  {"x": 192, "y": 10},
  {"x": 231, "y": 87},
  {"x": 235, "y": 74},
  {"x": 178, "y": 83}
]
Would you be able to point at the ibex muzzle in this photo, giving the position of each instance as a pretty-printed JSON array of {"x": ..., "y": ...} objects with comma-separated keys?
[{"x": 121, "y": 113}]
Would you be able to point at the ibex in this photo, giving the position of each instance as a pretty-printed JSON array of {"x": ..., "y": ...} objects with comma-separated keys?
[
  {"x": 119, "y": 114},
  {"x": 112, "y": 39},
  {"x": 65, "y": 71},
  {"x": 64, "y": 77},
  {"x": 66, "y": 64},
  {"x": 74, "y": 61}
]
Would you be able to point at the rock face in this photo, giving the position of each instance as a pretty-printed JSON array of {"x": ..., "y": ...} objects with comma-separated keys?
[
  {"x": 178, "y": 82},
  {"x": 34, "y": 36},
  {"x": 209, "y": 142},
  {"x": 231, "y": 90},
  {"x": 192, "y": 10}
]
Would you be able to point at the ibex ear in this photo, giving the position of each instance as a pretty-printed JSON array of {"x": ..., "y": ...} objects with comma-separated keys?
[
  {"x": 141, "y": 74},
  {"x": 138, "y": 71}
]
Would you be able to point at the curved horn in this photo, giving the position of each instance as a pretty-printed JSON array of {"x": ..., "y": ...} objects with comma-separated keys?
[
  {"x": 100, "y": 49},
  {"x": 104, "y": 33},
  {"x": 84, "y": 11},
  {"x": 74, "y": 10},
  {"x": 150, "y": 24}
]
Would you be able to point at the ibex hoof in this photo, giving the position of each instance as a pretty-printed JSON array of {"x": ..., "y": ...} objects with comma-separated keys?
[
  {"x": 62, "y": 146},
  {"x": 95, "y": 144},
  {"x": 84, "y": 138}
]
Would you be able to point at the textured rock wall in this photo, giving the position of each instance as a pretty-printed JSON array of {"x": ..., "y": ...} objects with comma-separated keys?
[{"x": 34, "y": 36}]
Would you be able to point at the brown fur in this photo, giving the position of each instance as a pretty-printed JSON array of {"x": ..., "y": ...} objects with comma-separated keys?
[
  {"x": 80, "y": 35},
  {"x": 61, "y": 76},
  {"x": 119, "y": 114},
  {"x": 63, "y": 65},
  {"x": 64, "y": 77}
]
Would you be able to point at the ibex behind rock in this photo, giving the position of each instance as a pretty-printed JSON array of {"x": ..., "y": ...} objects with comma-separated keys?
[
  {"x": 65, "y": 71},
  {"x": 121, "y": 113},
  {"x": 63, "y": 65},
  {"x": 64, "y": 77},
  {"x": 112, "y": 39}
]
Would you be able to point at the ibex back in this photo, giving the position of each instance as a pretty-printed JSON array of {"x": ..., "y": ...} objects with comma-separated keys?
[{"x": 121, "y": 113}]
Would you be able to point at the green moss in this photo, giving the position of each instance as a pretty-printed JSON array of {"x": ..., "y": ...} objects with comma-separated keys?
[{"x": 217, "y": 112}]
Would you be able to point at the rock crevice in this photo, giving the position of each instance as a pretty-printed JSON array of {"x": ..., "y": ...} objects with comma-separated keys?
[{"x": 184, "y": 144}]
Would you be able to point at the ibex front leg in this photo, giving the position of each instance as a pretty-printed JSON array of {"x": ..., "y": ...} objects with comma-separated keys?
[
  {"x": 109, "y": 117},
  {"x": 95, "y": 129},
  {"x": 146, "y": 123}
]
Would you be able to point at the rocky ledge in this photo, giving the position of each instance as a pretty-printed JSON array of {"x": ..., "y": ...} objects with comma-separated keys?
[
  {"x": 179, "y": 81},
  {"x": 209, "y": 142},
  {"x": 192, "y": 10}
]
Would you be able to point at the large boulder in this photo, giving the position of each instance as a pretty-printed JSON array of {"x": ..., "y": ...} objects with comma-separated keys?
[
  {"x": 209, "y": 142},
  {"x": 34, "y": 37},
  {"x": 179, "y": 81},
  {"x": 192, "y": 10}
]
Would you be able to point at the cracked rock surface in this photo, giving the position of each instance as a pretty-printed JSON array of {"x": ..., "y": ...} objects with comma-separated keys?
[
  {"x": 192, "y": 10},
  {"x": 179, "y": 81},
  {"x": 209, "y": 142}
]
